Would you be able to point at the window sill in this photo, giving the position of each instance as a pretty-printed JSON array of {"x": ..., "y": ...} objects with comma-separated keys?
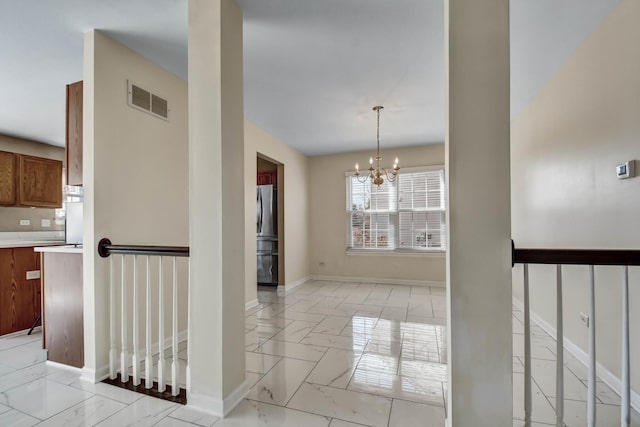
[{"x": 397, "y": 252}]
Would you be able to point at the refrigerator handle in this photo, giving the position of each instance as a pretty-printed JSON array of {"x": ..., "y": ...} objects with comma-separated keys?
[{"x": 259, "y": 211}]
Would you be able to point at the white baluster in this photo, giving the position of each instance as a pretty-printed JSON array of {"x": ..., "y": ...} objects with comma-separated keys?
[
  {"x": 162, "y": 385},
  {"x": 136, "y": 356},
  {"x": 625, "y": 412},
  {"x": 187, "y": 369},
  {"x": 175, "y": 387},
  {"x": 527, "y": 350},
  {"x": 124, "y": 373},
  {"x": 591, "y": 398},
  {"x": 148, "y": 362},
  {"x": 113, "y": 353},
  {"x": 559, "y": 352}
]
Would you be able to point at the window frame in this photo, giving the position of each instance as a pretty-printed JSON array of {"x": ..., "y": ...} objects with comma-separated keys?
[{"x": 395, "y": 214}]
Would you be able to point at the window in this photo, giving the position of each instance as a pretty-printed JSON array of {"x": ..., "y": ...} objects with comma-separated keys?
[{"x": 406, "y": 214}]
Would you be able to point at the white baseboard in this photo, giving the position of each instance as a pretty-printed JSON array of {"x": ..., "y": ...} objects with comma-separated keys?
[
  {"x": 380, "y": 281},
  {"x": 63, "y": 366},
  {"x": 288, "y": 287},
  {"x": 605, "y": 375},
  {"x": 22, "y": 332},
  {"x": 182, "y": 336},
  {"x": 218, "y": 407},
  {"x": 251, "y": 304},
  {"x": 94, "y": 375}
]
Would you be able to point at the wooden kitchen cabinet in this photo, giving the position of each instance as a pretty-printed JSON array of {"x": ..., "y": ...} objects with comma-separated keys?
[
  {"x": 74, "y": 133},
  {"x": 40, "y": 182},
  {"x": 63, "y": 314},
  {"x": 8, "y": 175},
  {"x": 19, "y": 297}
]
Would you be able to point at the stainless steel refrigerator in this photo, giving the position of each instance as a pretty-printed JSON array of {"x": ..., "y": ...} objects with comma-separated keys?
[{"x": 267, "y": 234}]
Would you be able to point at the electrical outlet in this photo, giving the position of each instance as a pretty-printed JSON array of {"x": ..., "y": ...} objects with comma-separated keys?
[
  {"x": 584, "y": 319},
  {"x": 45, "y": 223},
  {"x": 33, "y": 274},
  {"x": 25, "y": 222}
]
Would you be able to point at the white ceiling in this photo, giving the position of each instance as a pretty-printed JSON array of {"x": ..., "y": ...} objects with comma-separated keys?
[{"x": 313, "y": 69}]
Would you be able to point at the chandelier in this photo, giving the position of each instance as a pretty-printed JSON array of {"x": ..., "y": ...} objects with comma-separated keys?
[{"x": 376, "y": 174}]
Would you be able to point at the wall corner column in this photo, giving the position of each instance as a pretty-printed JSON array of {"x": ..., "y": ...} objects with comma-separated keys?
[
  {"x": 479, "y": 213},
  {"x": 216, "y": 185}
]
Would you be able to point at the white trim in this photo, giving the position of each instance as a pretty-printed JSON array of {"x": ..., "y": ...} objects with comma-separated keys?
[
  {"x": 95, "y": 376},
  {"x": 22, "y": 332},
  {"x": 288, "y": 287},
  {"x": 383, "y": 281},
  {"x": 182, "y": 336},
  {"x": 218, "y": 407},
  {"x": 409, "y": 253},
  {"x": 63, "y": 366},
  {"x": 251, "y": 304},
  {"x": 605, "y": 375}
]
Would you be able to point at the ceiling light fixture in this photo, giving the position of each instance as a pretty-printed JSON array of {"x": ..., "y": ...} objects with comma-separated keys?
[{"x": 376, "y": 174}]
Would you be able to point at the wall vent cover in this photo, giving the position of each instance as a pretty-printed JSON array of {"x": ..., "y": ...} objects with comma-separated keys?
[{"x": 147, "y": 101}]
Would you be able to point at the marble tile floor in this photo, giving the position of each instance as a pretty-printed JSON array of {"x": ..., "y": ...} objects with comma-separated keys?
[{"x": 328, "y": 354}]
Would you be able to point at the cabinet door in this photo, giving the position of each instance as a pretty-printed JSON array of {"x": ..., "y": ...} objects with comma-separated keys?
[
  {"x": 28, "y": 290},
  {"x": 74, "y": 133},
  {"x": 7, "y": 179},
  {"x": 7, "y": 288},
  {"x": 19, "y": 297},
  {"x": 40, "y": 182}
]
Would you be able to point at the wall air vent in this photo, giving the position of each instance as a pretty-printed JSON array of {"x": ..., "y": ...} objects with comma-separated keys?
[{"x": 147, "y": 101}]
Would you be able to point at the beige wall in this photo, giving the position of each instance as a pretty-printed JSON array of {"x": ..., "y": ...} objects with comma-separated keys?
[
  {"x": 327, "y": 237},
  {"x": 10, "y": 217},
  {"x": 565, "y": 146},
  {"x": 295, "y": 189},
  {"x": 135, "y": 173}
]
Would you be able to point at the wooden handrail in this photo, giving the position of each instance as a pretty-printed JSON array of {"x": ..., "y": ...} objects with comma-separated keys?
[
  {"x": 105, "y": 248},
  {"x": 577, "y": 256}
]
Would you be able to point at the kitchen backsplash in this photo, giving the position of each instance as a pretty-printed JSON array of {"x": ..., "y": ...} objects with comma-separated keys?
[{"x": 10, "y": 219}]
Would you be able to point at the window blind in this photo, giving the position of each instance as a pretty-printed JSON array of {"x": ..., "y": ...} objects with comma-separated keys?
[{"x": 406, "y": 214}]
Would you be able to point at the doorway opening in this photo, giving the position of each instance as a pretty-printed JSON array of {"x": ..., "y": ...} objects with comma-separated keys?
[{"x": 269, "y": 222}]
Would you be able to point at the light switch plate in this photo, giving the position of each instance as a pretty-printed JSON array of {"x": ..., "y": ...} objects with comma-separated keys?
[
  {"x": 25, "y": 222},
  {"x": 45, "y": 223},
  {"x": 33, "y": 274}
]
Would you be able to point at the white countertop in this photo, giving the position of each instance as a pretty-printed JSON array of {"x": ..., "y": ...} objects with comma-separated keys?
[
  {"x": 22, "y": 239},
  {"x": 65, "y": 249},
  {"x": 29, "y": 243}
]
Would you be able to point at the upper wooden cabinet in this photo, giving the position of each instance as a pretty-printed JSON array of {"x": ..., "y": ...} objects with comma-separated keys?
[
  {"x": 28, "y": 181},
  {"x": 74, "y": 133},
  {"x": 8, "y": 188},
  {"x": 40, "y": 182}
]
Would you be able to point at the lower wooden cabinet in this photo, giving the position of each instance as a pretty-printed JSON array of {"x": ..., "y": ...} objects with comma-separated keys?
[
  {"x": 19, "y": 297},
  {"x": 63, "y": 321}
]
